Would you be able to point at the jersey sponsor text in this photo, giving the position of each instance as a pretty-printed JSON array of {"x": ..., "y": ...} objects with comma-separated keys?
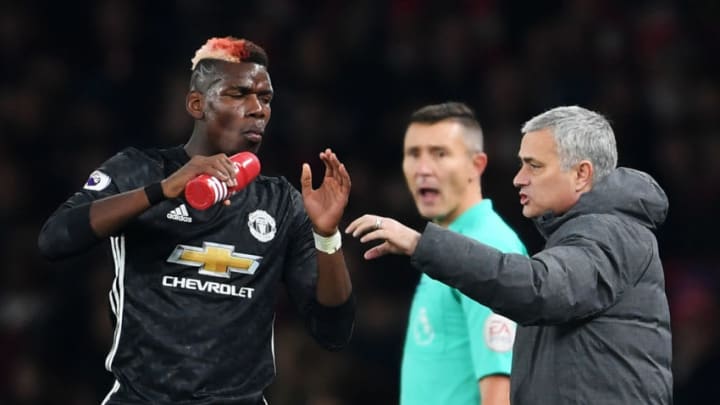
[{"x": 207, "y": 286}]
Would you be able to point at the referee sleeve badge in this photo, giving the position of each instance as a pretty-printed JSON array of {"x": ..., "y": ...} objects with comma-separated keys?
[{"x": 499, "y": 333}]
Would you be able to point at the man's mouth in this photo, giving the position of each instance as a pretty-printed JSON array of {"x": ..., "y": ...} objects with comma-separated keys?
[
  {"x": 428, "y": 195},
  {"x": 253, "y": 136},
  {"x": 524, "y": 199}
]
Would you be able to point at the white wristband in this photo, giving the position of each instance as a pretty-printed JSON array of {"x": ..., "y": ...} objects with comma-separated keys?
[{"x": 329, "y": 244}]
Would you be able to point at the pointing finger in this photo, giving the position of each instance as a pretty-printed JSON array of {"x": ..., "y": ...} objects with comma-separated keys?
[{"x": 354, "y": 224}]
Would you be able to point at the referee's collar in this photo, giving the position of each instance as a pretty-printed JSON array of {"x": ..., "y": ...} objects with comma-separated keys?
[{"x": 471, "y": 215}]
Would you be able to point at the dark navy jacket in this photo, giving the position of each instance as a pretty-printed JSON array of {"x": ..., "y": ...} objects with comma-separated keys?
[{"x": 595, "y": 324}]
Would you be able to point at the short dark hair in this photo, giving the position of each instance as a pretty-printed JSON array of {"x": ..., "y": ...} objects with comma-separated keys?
[
  {"x": 433, "y": 113},
  {"x": 456, "y": 111}
]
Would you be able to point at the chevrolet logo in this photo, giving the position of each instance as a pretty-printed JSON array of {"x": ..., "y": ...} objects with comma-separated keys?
[{"x": 215, "y": 259}]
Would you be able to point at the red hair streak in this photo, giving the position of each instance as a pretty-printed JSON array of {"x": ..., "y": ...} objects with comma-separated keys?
[{"x": 232, "y": 46}]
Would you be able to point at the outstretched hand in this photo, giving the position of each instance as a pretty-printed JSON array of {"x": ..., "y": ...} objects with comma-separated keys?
[
  {"x": 326, "y": 204},
  {"x": 397, "y": 238}
]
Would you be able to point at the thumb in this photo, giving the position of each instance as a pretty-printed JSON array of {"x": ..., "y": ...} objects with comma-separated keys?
[{"x": 306, "y": 179}]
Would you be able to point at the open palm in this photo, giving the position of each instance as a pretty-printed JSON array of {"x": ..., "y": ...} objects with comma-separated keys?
[{"x": 326, "y": 204}]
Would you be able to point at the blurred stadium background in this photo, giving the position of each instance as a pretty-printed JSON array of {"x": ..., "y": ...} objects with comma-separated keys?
[{"x": 81, "y": 80}]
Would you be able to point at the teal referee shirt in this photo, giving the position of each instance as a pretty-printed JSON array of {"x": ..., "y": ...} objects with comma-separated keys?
[{"x": 452, "y": 341}]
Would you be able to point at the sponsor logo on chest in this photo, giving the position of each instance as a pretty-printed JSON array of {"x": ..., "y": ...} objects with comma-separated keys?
[{"x": 216, "y": 260}]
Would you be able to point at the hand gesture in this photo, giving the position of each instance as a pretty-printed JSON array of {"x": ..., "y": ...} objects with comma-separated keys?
[
  {"x": 325, "y": 205},
  {"x": 397, "y": 238}
]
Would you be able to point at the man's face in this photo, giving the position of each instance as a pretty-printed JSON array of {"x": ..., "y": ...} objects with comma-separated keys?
[
  {"x": 440, "y": 171},
  {"x": 237, "y": 107},
  {"x": 543, "y": 185}
]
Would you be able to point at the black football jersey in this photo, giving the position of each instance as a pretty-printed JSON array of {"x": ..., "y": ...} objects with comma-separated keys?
[{"x": 194, "y": 291}]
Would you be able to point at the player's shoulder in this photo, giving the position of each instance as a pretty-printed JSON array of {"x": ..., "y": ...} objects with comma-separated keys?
[
  {"x": 500, "y": 226},
  {"x": 496, "y": 232},
  {"x": 280, "y": 193},
  {"x": 144, "y": 158},
  {"x": 134, "y": 156},
  {"x": 131, "y": 167},
  {"x": 276, "y": 183}
]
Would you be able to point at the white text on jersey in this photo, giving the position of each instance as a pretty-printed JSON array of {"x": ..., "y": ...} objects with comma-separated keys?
[{"x": 207, "y": 286}]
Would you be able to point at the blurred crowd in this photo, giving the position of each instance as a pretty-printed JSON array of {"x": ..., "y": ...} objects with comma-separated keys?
[{"x": 81, "y": 80}]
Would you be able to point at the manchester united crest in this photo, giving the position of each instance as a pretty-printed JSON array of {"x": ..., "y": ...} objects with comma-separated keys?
[{"x": 262, "y": 225}]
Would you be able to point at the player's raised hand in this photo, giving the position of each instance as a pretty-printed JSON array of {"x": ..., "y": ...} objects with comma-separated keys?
[
  {"x": 326, "y": 204},
  {"x": 397, "y": 238}
]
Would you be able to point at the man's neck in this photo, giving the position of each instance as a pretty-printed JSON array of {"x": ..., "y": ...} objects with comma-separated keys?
[
  {"x": 445, "y": 222},
  {"x": 196, "y": 145}
]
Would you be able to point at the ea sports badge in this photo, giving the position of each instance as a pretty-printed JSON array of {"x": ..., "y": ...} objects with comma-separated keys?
[{"x": 499, "y": 333}]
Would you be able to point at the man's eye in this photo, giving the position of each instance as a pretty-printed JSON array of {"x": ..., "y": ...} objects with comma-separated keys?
[{"x": 529, "y": 164}]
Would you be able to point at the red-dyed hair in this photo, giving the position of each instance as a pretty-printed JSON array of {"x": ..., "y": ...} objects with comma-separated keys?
[{"x": 230, "y": 49}]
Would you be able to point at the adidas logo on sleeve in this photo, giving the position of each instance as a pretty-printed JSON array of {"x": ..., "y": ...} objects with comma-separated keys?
[{"x": 179, "y": 214}]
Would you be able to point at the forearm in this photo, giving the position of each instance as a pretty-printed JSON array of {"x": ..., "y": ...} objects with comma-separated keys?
[
  {"x": 110, "y": 214},
  {"x": 554, "y": 286},
  {"x": 73, "y": 229},
  {"x": 495, "y": 390},
  {"x": 333, "y": 315},
  {"x": 484, "y": 274},
  {"x": 333, "y": 285}
]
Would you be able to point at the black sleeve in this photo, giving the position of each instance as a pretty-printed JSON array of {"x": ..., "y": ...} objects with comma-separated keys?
[
  {"x": 67, "y": 231},
  {"x": 331, "y": 327},
  {"x": 574, "y": 280}
]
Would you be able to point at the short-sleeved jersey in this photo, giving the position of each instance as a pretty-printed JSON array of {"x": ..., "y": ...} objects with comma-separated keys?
[
  {"x": 194, "y": 291},
  {"x": 452, "y": 341}
]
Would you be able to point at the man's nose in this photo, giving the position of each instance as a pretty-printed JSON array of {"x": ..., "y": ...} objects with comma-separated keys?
[
  {"x": 254, "y": 106},
  {"x": 520, "y": 179},
  {"x": 424, "y": 166}
]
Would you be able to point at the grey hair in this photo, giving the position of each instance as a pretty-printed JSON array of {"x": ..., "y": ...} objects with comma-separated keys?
[{"x": 580, "y": 134}]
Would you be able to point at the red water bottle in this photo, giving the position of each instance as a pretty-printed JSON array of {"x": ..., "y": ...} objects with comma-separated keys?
[{"x": 204, "y": 191}]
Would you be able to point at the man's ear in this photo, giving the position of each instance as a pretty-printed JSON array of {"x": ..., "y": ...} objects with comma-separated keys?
[
  {"x": 584, "y": 176},
  {"x": 195, "y": 104},
  {"x": 479, "y": 162}
]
